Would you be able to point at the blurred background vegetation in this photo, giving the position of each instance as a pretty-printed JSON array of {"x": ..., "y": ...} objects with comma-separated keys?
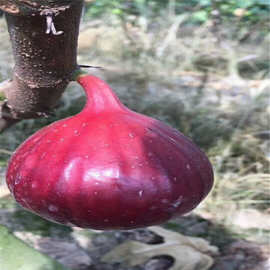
[
  {"x": 203, "y": 67},
  {"x": 199, "y": 10}
]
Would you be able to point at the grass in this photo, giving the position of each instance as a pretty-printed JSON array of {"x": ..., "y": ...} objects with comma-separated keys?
[{"x": 212, "y": 90}]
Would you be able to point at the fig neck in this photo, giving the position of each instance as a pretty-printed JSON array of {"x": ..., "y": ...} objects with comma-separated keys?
[{"x": 100, "y": 97}]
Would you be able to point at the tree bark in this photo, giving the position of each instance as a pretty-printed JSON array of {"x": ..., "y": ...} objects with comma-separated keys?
[
  {"x": 44, "y": 38},
  {"x": 35, "y": 7}
]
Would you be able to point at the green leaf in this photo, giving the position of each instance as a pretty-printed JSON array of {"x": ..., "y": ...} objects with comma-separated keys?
[
  {"x": 117, "y": 11},
  {"x": 2, "y": 96},
  {"x": 205, "y": 2},
  {"x": 200, "y": 16},
  {"x": 264, "y": 2},
  {"x": 245, "y": 3},
  {"x": 16, "y": 255}
]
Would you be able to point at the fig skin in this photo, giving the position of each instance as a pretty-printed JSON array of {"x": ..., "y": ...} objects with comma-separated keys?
[{"x": 108, "y": 167}]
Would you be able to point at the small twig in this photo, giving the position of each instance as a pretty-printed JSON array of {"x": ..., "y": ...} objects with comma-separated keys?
[
  {"x": 247, "y": 58},
  {"x": 87, "y": 66},
  {"x": 4, "y": 151},
  {"x": 197, "y": 98},
  {"x": 172, "y": 34}
]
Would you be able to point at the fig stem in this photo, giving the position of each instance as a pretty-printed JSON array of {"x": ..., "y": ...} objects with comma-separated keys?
[
  {"x": 78, "y": 73},
  {"x": 100, "y": 97}
]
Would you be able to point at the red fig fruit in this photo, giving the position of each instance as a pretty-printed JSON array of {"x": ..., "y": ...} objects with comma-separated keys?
[{"x": 108, "y": 167}]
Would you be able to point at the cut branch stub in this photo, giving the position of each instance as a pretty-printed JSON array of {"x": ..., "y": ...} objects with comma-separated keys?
[{"x": 44, "y": 61}]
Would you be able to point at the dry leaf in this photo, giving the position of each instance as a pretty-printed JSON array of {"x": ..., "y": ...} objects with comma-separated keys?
[
  {"x": 4, "y": 191},
  {"x": 189, "y": 253},
  {"x": 251, "y": 218}
]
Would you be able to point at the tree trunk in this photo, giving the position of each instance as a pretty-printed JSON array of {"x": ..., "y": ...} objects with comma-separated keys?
[{"x": 44, "y": 38}]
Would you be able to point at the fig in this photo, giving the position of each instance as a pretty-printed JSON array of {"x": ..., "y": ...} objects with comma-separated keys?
[{"x": 108, "y": 167}]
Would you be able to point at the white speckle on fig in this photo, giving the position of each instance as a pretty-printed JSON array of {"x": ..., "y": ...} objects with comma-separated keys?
[
  {"x": 165, "y": 201},
  {"x": 34, "y": 185},
  {"x": 36, "y": 139},
  {"x": 177, "y": 202},
  {"x": 131, "y": 135},
  {"x": 18, "y": 180},
  {"x": 53, "y": 208}
]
